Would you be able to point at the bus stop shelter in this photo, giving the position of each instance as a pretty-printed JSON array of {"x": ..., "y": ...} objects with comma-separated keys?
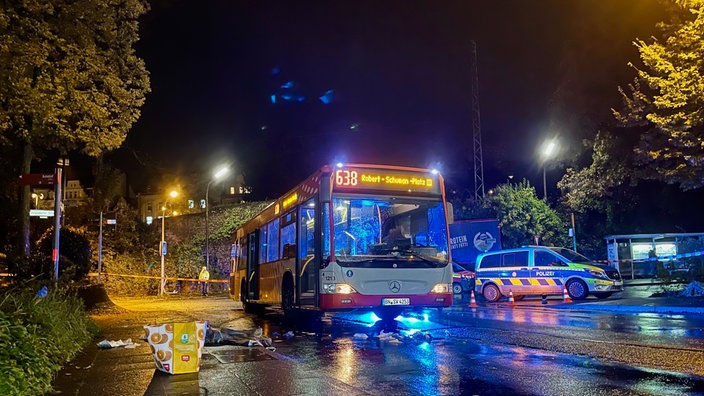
[{"x": 648, "y": 255}]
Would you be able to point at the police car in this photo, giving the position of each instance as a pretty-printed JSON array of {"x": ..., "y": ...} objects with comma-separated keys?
[{"x": 543, "y": 270}]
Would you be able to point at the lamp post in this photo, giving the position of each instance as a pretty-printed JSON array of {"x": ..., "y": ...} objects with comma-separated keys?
[
  {"x": 547, "y": 153},
  {"x": 162, "y": 247},
  {"x": 217, "y": 175}
]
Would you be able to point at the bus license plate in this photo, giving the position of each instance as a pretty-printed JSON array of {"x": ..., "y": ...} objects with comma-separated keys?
[{"x": 396, "y": 301}]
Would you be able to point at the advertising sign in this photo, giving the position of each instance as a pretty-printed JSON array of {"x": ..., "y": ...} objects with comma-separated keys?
[{"x": 469, "y": 238}]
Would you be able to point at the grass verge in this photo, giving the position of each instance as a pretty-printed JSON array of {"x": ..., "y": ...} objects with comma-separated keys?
[{"x": 37, "y": 336}]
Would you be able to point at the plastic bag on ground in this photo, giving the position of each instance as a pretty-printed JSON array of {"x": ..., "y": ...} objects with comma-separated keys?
[{"x": 177, "y": 347}]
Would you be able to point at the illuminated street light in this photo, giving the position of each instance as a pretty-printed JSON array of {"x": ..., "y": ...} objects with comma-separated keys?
[
  {"x": 217, "y": 175},
  {"x": 548, "y": 151},
  {"x": 162, "y": 249}
]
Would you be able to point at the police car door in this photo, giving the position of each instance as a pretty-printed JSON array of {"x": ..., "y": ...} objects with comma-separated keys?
[
  {"x": 547, "y": 272},
  {"x": 515, "y": 272}
]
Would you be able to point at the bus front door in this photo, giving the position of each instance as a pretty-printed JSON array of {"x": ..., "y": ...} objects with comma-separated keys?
[
  {"x": 253, "y": 266},
  {"x": 305, "y": 264}
]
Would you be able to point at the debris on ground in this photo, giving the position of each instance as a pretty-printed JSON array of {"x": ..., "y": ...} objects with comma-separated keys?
[
  {"x": 128, "y": 344},
  {"x": 694, "y": 289},
  {"x": 227, "y": 336}
]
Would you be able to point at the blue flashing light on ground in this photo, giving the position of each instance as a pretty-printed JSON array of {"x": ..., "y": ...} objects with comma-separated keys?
[{"x": 369, "y": 318}]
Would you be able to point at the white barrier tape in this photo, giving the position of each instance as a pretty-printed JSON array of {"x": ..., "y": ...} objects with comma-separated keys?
[{"x": 658, "y": 258}]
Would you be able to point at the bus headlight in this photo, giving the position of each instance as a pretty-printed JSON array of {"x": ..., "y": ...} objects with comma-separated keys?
[
  {"x": 441, "y": 288},
  {"x": 338, "y": 288}
]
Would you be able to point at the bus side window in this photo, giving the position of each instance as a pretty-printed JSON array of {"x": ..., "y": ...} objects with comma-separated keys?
[{"x": 289, "y": 251}]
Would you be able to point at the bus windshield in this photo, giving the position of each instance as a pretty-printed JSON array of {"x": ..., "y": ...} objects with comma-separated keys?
[{"x": 388, "y": 227}]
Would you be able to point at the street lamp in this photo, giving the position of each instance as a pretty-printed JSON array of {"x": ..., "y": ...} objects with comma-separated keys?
[
  {"x": 162, "y": 247},
  {"x": 217, "y": 175},
  {"x": 547, "y": 153}
]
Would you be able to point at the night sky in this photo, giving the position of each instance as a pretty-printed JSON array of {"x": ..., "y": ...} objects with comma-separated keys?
[{"x": 401, "y": 76}]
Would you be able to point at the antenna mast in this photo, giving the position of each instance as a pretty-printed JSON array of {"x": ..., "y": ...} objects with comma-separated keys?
[{"x": 476, "y": 130}]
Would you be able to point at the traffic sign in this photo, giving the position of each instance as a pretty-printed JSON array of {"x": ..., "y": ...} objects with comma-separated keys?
[
  {"x": 36, "y": 179},
  {"x": 41, "y": 213},
  {"x": 112, "y": 221}
]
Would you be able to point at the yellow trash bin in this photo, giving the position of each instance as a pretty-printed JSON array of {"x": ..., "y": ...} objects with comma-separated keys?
[{"x": 177, "y": 347}]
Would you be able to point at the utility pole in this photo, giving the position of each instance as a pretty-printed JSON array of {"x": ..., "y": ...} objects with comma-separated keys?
[
  {"x": 58, "y": 204},
  {"x": 476, "y": 129},
  {"x": 100, "y": 247}
]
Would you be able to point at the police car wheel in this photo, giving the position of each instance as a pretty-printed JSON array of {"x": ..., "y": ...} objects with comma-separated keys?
[
  {"x": 577, "y": 289},
  {"x": 491, "y": 293},
  {"x": 457, "y": 288}
]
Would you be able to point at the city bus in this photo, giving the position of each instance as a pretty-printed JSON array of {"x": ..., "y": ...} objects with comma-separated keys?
[{"x": 349, "y": 237}]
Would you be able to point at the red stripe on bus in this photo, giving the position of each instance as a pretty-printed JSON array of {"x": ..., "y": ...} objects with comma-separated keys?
[{"x": 356, "y": 300}]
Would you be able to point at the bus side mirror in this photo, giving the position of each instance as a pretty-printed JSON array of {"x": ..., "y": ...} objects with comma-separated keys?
[{"x": 325, "y": 188}]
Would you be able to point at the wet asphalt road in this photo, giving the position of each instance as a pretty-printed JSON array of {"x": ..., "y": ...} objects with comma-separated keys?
[{"x": 488, "y": 351}]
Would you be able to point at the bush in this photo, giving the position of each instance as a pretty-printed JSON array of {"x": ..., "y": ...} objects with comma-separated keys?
[
  {"x": 74, "y": 250},
  {"x": 125, "y": 285},
  {"x": 37, "y": 336}
]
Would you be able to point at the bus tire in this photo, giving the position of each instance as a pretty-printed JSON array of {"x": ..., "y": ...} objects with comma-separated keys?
[
  {"x": 287, "y": 296},
  {"x": 491, "y": 292},
  {"x": 247, "y": 307},
  {"x": 577, "y": 289}
]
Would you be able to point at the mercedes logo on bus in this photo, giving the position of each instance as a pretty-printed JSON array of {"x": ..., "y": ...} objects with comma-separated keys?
[{"x": 395, "y": 286}]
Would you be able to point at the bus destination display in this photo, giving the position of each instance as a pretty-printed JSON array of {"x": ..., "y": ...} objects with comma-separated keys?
[{"x": 372, "y": 179}]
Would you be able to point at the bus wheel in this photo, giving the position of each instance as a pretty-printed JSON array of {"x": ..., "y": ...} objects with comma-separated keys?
[
  {"x": 287, "y": 297},
  {"x": 491, "y": 293},
  {"x": 577, "y": 289}
]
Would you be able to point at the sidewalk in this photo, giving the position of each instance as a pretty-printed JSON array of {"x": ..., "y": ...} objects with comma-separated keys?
[
  {"x": 224, "y": 370},
  {"x": 641, "y": 296}
]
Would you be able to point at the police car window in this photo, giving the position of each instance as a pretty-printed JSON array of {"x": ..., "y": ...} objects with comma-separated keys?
[
  {"x": 546, "y": 259},
  {"x": 515, "y": 259},
  {"x": 491, "y": 261}
]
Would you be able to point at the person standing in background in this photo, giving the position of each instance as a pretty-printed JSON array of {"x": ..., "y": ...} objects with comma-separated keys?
[{"x": 203, "y": 277}]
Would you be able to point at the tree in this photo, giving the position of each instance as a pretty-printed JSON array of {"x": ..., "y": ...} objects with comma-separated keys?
[
  {"x": 667, "y": 98},
  {"x": 606, "y": 180},
  {"x": 521, "y": 214},
  {"x": 69, "y": 78}
]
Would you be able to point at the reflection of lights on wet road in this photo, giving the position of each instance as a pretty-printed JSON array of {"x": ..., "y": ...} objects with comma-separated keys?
[
  {"x": 369, "y": 319},
  {"x": 346, "y": 363}
]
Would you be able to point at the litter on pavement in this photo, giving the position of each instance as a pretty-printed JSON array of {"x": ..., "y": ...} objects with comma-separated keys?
[{"x": 128, "y": 344}]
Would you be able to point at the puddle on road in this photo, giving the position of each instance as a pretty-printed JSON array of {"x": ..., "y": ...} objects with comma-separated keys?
[{"x": 240, "y": 354}]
